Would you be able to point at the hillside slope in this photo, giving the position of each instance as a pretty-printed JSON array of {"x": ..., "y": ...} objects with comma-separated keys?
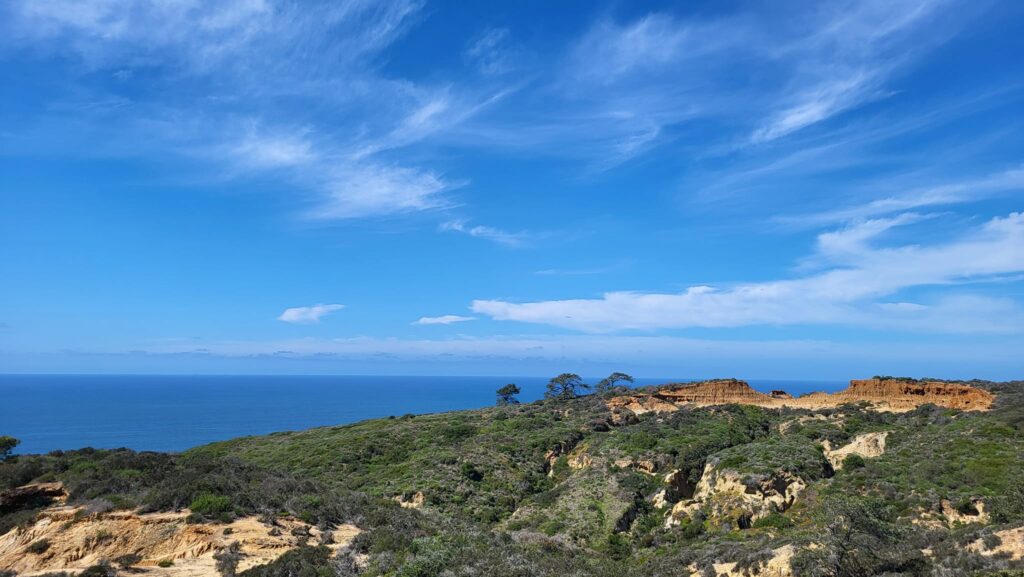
[{"x": 588, "y": 486}]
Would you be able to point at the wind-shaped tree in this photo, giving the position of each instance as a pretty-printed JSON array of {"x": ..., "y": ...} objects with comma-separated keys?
[
  {"x": 565, "y": 386},
  {"x": 507, "y": 395},
  {"x": 7, "y": 445},
  {"x": 608, "y": 383}
]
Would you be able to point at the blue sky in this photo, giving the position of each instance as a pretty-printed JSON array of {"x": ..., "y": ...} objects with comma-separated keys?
[{"x": 763, "y": 190}]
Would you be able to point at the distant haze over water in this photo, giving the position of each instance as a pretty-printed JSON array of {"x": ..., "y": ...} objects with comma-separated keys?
[{"x": 176, "y": 412}]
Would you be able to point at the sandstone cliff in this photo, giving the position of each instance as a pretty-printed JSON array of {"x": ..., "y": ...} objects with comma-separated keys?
[
  {"x": 881, "y": 394},
  {"x": 64, "y": 538}
]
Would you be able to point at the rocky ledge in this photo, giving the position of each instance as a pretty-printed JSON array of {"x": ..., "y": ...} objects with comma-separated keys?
[{"x": 882, "y": 394}]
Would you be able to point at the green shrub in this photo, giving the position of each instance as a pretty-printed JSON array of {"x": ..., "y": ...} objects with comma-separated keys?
[
  {"x": 773, "y": 520},
  {"x": 210, "y": 504},
  {"x": 39, "y": 547},
  {"x": 853, "y": 461},
  {"x": 129, "y": 560},
  {"x": 165, "y": 563}
]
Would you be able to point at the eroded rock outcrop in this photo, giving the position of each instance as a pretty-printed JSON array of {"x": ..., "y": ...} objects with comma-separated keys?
[
  {"x": 945, "y": 514},
  {"x": 880, "y": 394},
  {"x": 31, "y": 496},
  {"x": 411, "y": 500},
  {"x": 906, "y": 395},
  {"x": 743, "y": 499},
  {"x": 1011, "y": 544},
  {"x": 75, "y": 540},
  {"x": 780, "y": 564},
  {"x": 867, "y": 445}
]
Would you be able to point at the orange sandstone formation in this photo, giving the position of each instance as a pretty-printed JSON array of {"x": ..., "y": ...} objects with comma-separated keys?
[{"x": 883, "y": 394}]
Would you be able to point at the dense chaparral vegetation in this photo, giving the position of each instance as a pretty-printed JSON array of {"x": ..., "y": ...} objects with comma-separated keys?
[{"x": 505, "y": 497}]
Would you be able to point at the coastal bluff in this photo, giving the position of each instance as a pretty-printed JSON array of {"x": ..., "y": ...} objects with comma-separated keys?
[{"x": 882, "y": 394}]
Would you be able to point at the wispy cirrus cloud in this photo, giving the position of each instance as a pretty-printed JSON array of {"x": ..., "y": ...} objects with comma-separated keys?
[
  {"x": 308, "y": 315},
  {"x": 511, "y": 239},
  {"x": 335, "y": 131},
  {"x": 443, "y": 320},
  {"x": 491, "y": 52},
  {"x": 243, "y": 86},
  {"x": 846, "y": 59},
  {"x": 574, "y": 271},
  {"x": 957, "y": 192}
]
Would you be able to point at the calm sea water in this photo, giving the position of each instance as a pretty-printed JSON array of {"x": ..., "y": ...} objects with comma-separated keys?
[{"x": 173, "y": 413}]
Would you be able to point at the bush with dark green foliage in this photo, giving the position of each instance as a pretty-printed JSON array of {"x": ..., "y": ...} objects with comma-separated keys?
[
  {"x": 128, "y": 561},
  {"x": 7, "y": 445},
  {"x": 301, "y": 562},
  {"x": 227, "y": 559},
  {"x": 101, "y": 569},
  {"x": 207, "y": 503},
  {"x": 507, "y": 395},
  {"x": 853, "y": 461}
]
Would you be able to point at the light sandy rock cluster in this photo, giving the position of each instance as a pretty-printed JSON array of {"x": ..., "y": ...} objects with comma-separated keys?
[
  {"x": 948, "y": 516},
  {"x": 955, "y": 517},
  {"x": 1011, "y": 543},
  {"x": 78, "y": 540},
  {"x": 724, "y": 493},
  {"x": 779, "y": 565},
  {"x": 580, "y": 459},
  {"x": 645, "y": 466},
  {"x": 867, "y": 445},
  {"x": 560, "y": 449},
  {"x": 414, "y": 501}
]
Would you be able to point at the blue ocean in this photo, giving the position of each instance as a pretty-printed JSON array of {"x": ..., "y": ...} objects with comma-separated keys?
[{"x": 173, "y": 413}]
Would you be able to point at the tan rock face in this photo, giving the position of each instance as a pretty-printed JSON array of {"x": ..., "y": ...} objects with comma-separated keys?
[
  {"x": 945, "y": 515},
  {"x": 779, "y": 565},
  {"x": 414, "y": 501},
  {"x": 646, "y": 466},
  {"x": 77, "y": 542},
  {"x": 883, "y": 395},
  {"x": 955, "y": 517},
  {"x": 17, "y": 497},
  {"x": 868, "y": 445},
  {"x": 722, "y": 493},
  {"x": 896, "y": 395},
  {"x": 580, "y": 460},
  {"x": 1011, "y": 544},
  {"x": 715, "y": 393}
]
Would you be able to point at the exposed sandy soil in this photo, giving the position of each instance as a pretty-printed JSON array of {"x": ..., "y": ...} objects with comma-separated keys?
[
  {"x": 78, "y": 541},
  {"x": 1012, "y": 544},
  {"x": 778, "y": 566}
]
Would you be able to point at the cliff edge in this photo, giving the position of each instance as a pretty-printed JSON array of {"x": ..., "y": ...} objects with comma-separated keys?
[{"x": 887, "y": 394}]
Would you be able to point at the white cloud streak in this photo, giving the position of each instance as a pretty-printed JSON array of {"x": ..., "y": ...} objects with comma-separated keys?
[
  {"x": 845, "y": 61},
  {"x": 964, "y": 191},
  {"x": 511, "y": 239},
  {"x": 251, "y": 59},
  {"x": 308, "y": 315},
  {"x": 443, "y": 320},
  {"x": 847, "y": 294}
]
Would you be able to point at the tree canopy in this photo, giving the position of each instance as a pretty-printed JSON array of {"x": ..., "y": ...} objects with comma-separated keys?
[
  {"x": 507, "y": 395},
  {"x": 7, "y": 445},
  {"x": 565, "y": 386},
  {"x": 608, "y": 383}
]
